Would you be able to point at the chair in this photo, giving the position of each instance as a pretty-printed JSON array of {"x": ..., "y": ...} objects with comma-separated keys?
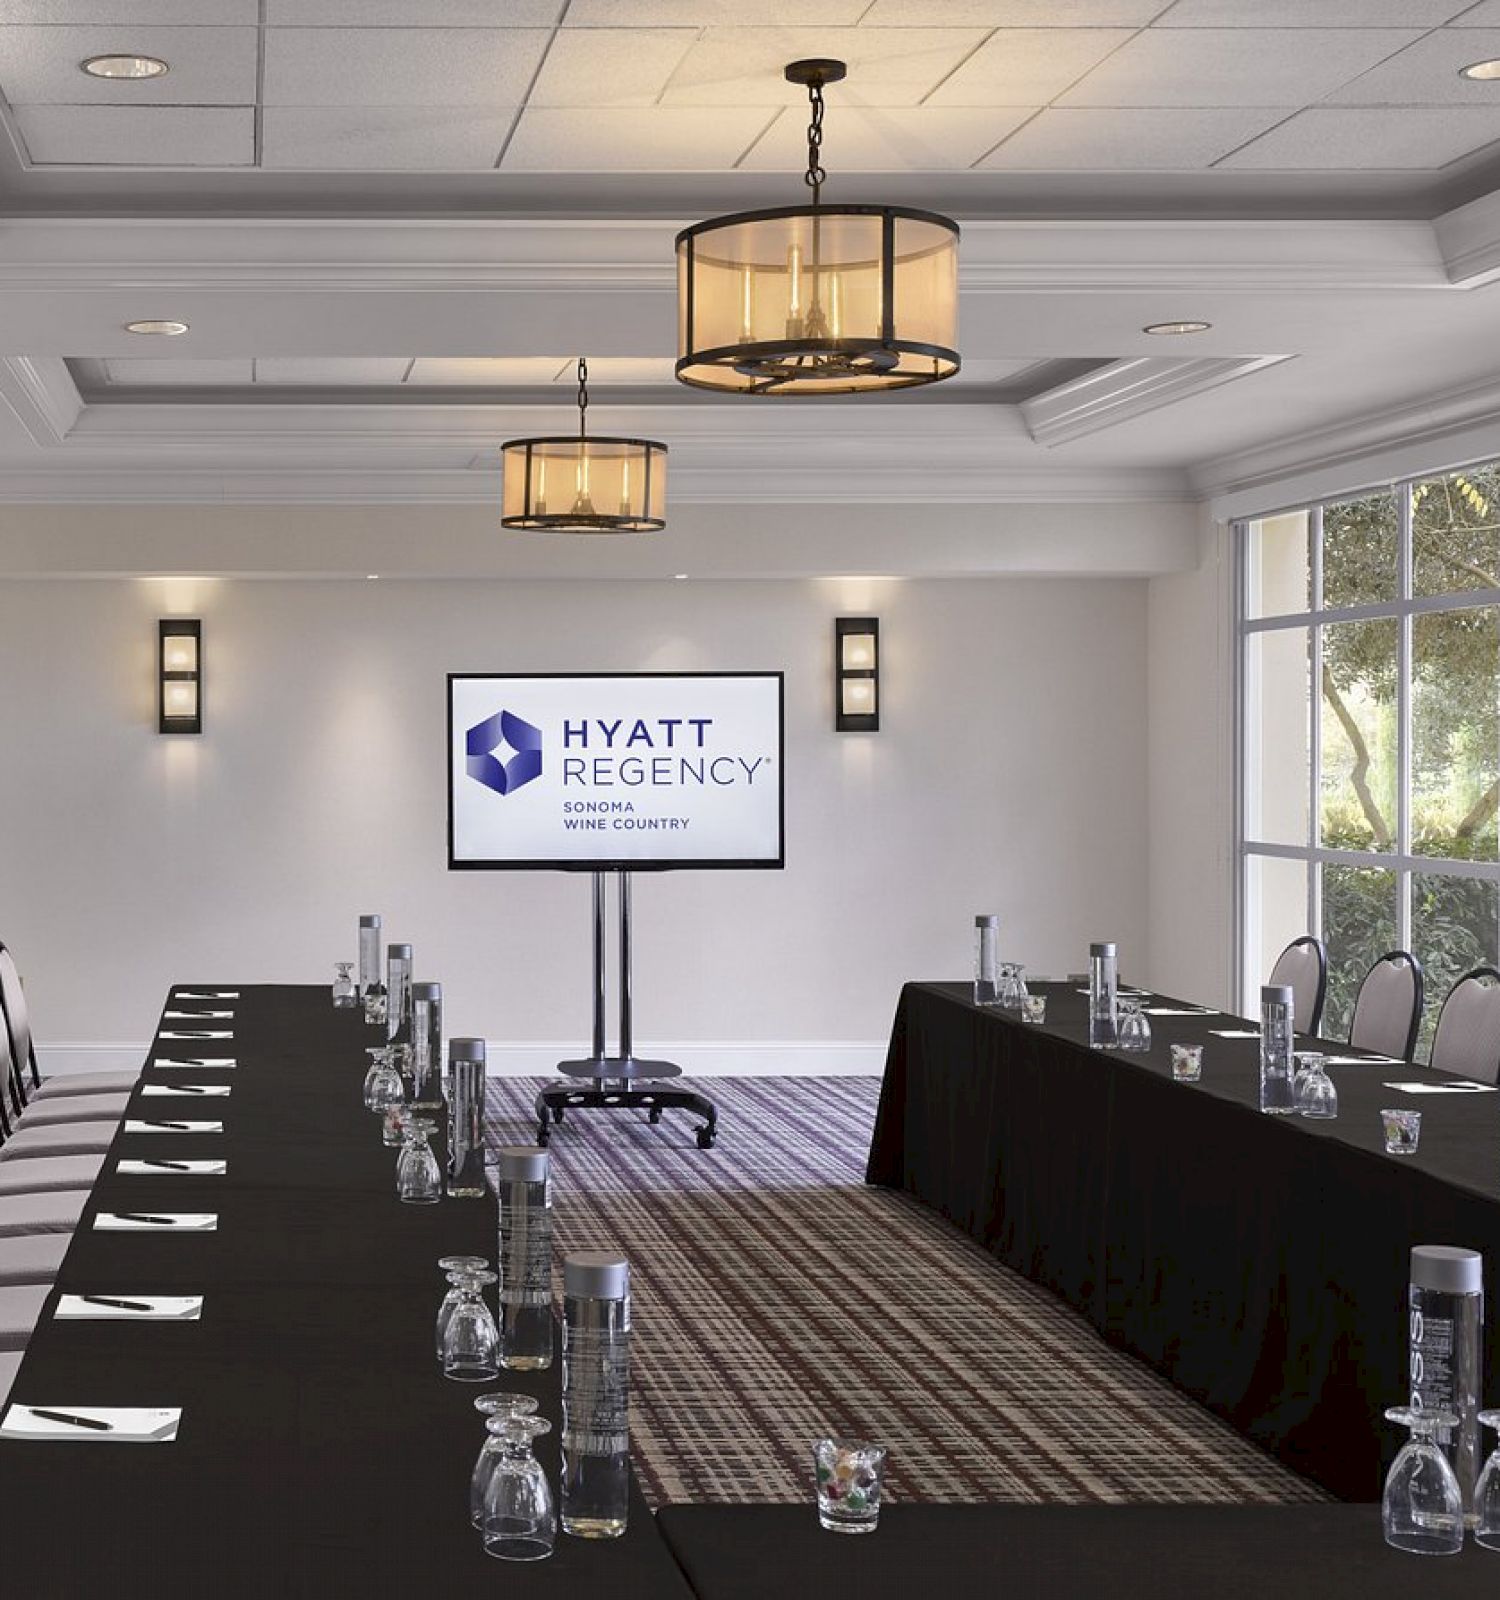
[
  {"x": 1304, "y": 966},
  {"x": 1467, "y": 1040},
  {"x": 78, "y": 1125},
  {"x": 23, "y": 1051},
  {"x": 1388, "y": 1007}
]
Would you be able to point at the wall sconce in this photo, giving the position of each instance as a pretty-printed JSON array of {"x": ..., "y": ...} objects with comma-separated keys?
[
  {"x": 180, "y": 676},
  {"x": 856, "y": 674}
]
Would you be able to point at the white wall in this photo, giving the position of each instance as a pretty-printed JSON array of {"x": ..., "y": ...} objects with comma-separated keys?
[{"x": 1011, "y": 776}]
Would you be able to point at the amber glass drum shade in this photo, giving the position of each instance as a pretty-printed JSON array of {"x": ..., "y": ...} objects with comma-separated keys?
[
  {"x": 818, "y": 300},
  {"x": 584, "y": 485}
]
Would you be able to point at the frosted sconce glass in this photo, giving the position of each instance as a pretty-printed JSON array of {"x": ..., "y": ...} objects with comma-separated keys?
[
  {"x": 180, "y": 676},
  {"x": 856, "y": 674}
]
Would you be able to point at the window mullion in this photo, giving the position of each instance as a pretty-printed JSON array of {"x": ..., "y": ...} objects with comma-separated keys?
[
  {"x": 1403, "y": 715},
  {"x": 1315, "y": 723}
]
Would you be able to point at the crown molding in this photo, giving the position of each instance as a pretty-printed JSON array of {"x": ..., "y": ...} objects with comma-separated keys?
[
  {"x": 41, "y": 392},
  {"x": 1469, "y": 238}
]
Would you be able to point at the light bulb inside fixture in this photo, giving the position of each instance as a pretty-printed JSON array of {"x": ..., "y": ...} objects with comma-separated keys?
[{"x": 125, "y": 67}]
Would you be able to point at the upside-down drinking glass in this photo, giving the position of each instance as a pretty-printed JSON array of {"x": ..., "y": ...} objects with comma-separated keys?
[
  {"x": 1314, "y": 1092},
  {"x": 453, "y": 1267},
  {"x": 495, "y": 1404},
  {"x": 1135, "y": 1027},
  {"x": 471, "y": 1346},
  {"x": 1013, "y": 989},
  {"x": 520, "y": 1516},
  {"x": 1487, "y": 1491},
  {"x": 419, "y": 1179},
  {"x": 1423, "y": 1507},
  {"x": 382, "y": 1084}
]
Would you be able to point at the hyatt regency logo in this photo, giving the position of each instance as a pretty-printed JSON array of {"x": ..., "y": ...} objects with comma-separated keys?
[{"x": 484, "y": 743}]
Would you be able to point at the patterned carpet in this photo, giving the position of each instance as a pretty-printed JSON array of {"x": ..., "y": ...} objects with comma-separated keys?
[{"x": 777, "y": 1298}]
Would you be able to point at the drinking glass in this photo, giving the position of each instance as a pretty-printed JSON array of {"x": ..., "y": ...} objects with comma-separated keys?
[
  {"x": 401, "y": 1060},
  {"x": 472, "y": 1343},
  {"x": 344, "y": 995},
  {"x": 419, "y": 1179},
  {"x": 1013, "y": 989},
  {"x": 1187, "y": 1062},
  {"x": 495, "y": 1404},
  {"x": 848, "y": 1480},
  {"x": 382, "y": 1084},
  {"x": 453, "y": 1267},
  {"x": 1135, "y": 1027},
  {"x": 1423, "y": 1508},
  {"x": 1034, "y": 1008},
  {"x": 1402, "y": 1131},
  {"x": 1487, "y": 1492},
  {"x": 1315, "y": 1095},
  {"x": 520, "y": 1517}
]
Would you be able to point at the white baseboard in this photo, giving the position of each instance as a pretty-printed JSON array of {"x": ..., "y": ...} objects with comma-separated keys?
[{"x": 790, "y": 1058}]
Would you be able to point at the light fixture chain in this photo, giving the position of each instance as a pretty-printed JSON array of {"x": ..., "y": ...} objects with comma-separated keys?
[
  {"x": 583, "y": 395},
  {"x": 815, "y": 173}
]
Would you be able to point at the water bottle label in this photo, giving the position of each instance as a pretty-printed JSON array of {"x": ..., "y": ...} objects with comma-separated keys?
[{"x": 596, "y": 1398}]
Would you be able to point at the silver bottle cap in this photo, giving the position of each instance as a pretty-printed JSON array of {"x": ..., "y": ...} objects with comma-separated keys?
[
  {"x": 596, "y": 1275},
  {"x": 466, "y": 1049},
  {"x": 369, "y": 922},
  {"x": 990, "y": 921},
  {"x": 399, "y": 952},
  {"x": 1447, "y": 1268},
  {"x": 427, "y": 991},
  {"x": 1101, "y": 951},
  {"x": 526, "y": 1162},
  {"x": 1277, "y": 994}
]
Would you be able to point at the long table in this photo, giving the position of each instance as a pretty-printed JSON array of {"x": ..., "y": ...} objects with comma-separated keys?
[
  {"x": 321, "y": 1452},
  {"x": 1260, "y": 1263}
]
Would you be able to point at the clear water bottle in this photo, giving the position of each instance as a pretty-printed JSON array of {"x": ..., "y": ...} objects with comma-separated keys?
[
  {"x": 398, "y": 993},
  {"x": 596, "y": 1394},
  {"x": 987, "y": 961},
  {"x": 1104, "y": 985},
  {"x": 1277, "y": 1093},
  {"x": 1445, "y": 1347},
  {"x": 466, "y": 1074},
  {"x": 427, "y": 1046},
  {"x": 371, "y": 988},
  {"x": 521, "y": 1179}
]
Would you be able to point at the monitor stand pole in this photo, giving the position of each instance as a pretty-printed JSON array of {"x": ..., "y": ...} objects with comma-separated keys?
[{"x": 623, "y": 1080}]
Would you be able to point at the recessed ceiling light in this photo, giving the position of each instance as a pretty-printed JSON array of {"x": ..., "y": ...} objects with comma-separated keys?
[
  {"x": 157, "y": 325},
  {"x": 679, "y": 576},
  {"x": 124, "y": 67},
  {"x": 371, "y": 576},
  {"x": 1481, "y": 71},
  {"x": 1177, "y": 327}
]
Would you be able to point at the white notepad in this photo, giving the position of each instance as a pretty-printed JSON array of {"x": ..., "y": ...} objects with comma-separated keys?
[
  {"x": 199, "y": 1016},
  {"x": 134, "y": 1125},
  {"x": 172, "y": 1169},
  {"x": 93, "y": 1424},
  {"x": 1441, "y": 1088},
  {"x": 186, "y": 1091},
  {"x": 205, "y": 994},
  {"x": 196, "y": 1033},
  {"x": 194, "y": 1061},
  {"x": 130, "y": 1308},
  {"x": 1235, "y": 1033},
  {"x": 1180, "y": 1011},
  {"x": 157, "y": 1221},
  {"x": 1363, "y": 1061}
]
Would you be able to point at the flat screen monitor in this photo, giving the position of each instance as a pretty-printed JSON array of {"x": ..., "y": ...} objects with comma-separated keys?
[{"x": 613, "y": 771}]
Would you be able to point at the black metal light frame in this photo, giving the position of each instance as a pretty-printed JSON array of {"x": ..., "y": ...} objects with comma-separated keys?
[
  {"x": 567, "y": 521},
  {"x": 855, "y": 721},
  {"x": 178, "y": 628}
]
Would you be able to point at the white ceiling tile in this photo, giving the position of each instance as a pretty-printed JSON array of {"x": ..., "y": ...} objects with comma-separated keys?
[
  {"x": 1234, "y": 67},
  {"x": 902, "y": 139},
  {"x": 331, "y": 370},
  {"x": 489, "y": 67},
  {"x": 130, "y": 136},
  {"x": 198, "y": 13},
  {"x": 1027, "y": 66},
  {"x": 590, "y": 67},
  {"x": 185, "y": 372},
  {"x": 408, "y": 13},
  {"x": 1310, "y": 13},
  {"x": 209, "y": 66},
  {"x": 489, "y": 372},
  {"x": 1426, "y": 73},
  {"x": 887, "y": 66},
  {"x": 1088, "y": 139},
  {"x": 1012, "y": 13},
  {"x": 1370, "y": 140},
  {"x": 710, "y": 13},
  {"x": 1485, "y": 15},
  {"x": 662, "y": 139},
  {"x": 383, "y": 138}
]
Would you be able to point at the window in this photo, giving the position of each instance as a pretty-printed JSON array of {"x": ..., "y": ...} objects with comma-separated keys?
[{"x": 1370, "y": 733}]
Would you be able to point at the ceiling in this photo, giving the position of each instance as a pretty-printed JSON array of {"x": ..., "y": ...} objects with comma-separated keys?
[{"x": 392, "y": 225}]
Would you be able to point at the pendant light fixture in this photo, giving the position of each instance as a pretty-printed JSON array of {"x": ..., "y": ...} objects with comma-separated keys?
[
  {"x": 579, "y": 484},
  {"x": 818, "y": 299}
]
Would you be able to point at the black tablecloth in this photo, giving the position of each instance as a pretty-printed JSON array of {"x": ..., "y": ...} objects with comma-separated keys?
[
  {"x": 1258, "y": 1262},
  {"x": 321, "y": 1452},
  {"x": 1064, "y": 1553}
]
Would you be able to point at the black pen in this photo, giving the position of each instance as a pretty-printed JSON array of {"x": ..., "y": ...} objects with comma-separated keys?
[
  {"x": 119, "y": 1305},
  {"x": 175, "y": 1166},
  {"x": 141, "y": 1216},
  {"x": 177, "y": 1127},
  {"x": 72, "y": 1421}
]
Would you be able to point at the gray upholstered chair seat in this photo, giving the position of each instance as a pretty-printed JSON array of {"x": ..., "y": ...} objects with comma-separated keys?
[
  {"x": 1303, "y": 966},
  {"x": 10, "y": 1365},
  {"x": 75, "y": 1108},
  {"x": 60, "y": 1139},
  {"x": 34, "y": 1258},
  {"x": 1388, "y": 1007},
  {"x": 41, "y": 1211},
  {"x": 68, "y": 1084},
  {"x": 54, "y": 1172},
  {"x": 20, "y": 1310}
]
